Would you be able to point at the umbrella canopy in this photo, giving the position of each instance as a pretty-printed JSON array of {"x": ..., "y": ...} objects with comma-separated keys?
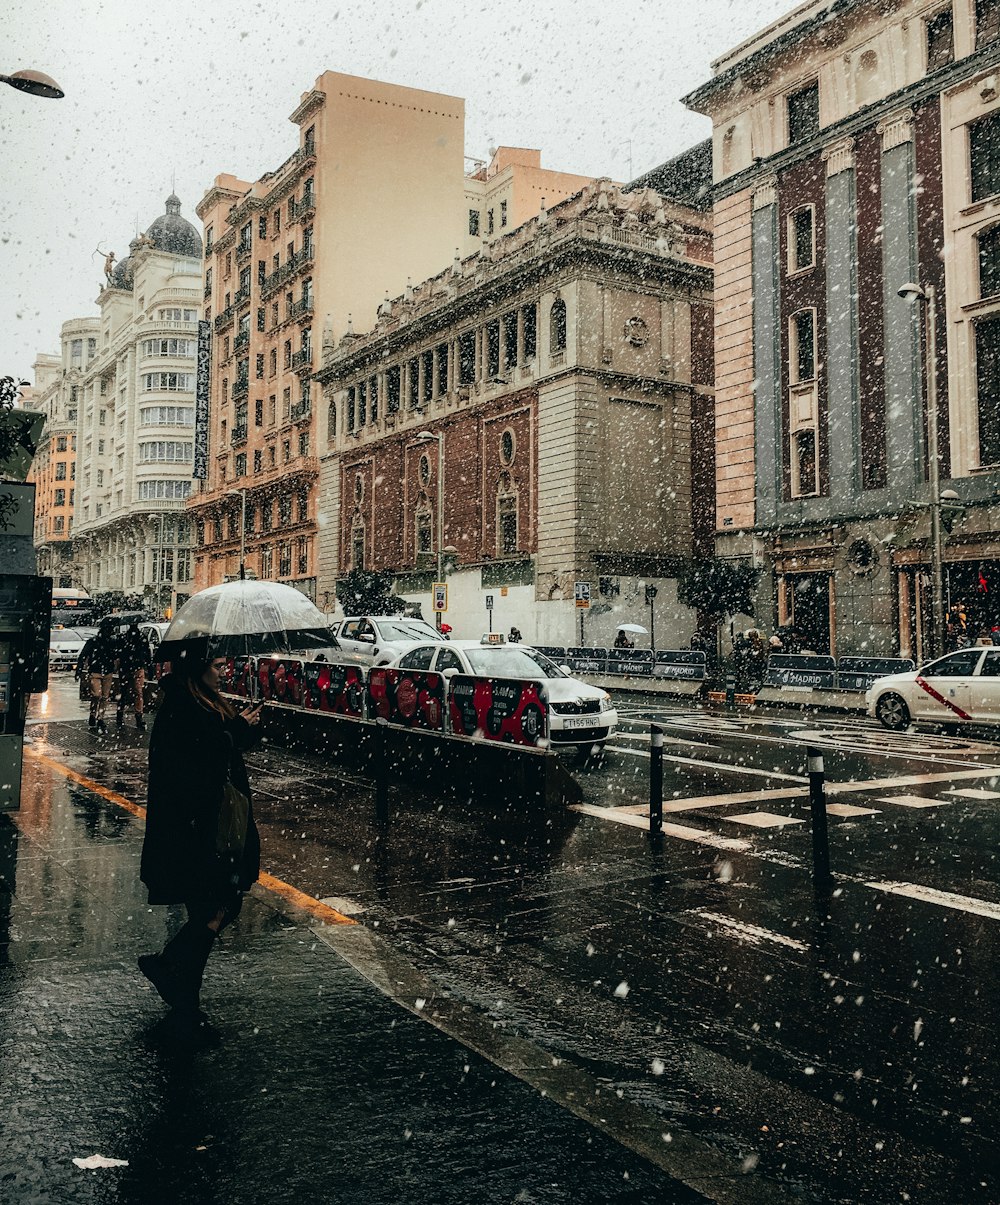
[
  {"x": 636, "y": 628},
  {"x": 244, "y": 618}
]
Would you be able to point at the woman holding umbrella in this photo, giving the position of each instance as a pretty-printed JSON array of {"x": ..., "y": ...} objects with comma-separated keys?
[{"x": 201, "y": 847}]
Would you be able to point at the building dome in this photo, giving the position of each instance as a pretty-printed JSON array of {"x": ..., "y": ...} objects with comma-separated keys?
[
  {"x": 123, "y": 276},
  {"x": 170, "y": 232}
]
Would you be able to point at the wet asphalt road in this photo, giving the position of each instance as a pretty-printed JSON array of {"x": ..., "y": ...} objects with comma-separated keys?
[{"x": 843, "y": 1059}]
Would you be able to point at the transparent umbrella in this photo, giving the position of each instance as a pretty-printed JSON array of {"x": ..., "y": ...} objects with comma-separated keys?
[
  {"x": 635, "y": 628},
  {"x": 249, "y": 617}
]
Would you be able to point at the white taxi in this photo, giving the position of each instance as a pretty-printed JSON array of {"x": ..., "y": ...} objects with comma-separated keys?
[
  {"x": 960, "y": 687},
  {"x": 578, "y": 713}
]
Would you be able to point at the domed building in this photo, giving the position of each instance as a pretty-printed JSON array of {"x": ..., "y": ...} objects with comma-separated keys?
[
  {"x": 137, "y": 420},
  {"x": 170, "y": 232}
]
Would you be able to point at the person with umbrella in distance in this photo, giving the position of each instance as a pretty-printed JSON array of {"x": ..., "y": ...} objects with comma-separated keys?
[{"x": 201, "y": 847}]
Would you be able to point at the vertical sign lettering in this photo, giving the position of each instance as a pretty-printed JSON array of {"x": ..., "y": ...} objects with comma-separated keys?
[{"x": 201, "y": 401}]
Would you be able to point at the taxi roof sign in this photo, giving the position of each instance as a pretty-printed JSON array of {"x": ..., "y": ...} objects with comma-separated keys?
[{"x": 492, "y": 638}]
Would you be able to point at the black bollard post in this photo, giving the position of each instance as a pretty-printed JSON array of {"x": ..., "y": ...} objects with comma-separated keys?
[
  {"x": 381, "y": 774},
  {"x": 731, "y": 691},
  {"x": 655, "y": 780},
  {"x": 817, "y": 805}
]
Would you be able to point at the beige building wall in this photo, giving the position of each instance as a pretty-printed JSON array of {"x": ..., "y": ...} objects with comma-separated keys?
[
  {"x": 734, "y": 393},
  {"x": 389, "y": 191}
]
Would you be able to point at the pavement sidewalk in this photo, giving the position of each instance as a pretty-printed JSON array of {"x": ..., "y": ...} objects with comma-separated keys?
[{"x": 314, "y": 1086}]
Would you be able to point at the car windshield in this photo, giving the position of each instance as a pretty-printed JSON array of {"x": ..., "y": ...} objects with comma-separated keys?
[
  {"x": 405, "y": 629},
  {"x": 504, "y": 661}
]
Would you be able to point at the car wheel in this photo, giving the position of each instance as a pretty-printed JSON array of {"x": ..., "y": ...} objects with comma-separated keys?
[{"x": 892, "y": 712}]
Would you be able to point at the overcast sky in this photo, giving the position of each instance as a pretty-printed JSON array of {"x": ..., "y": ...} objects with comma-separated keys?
[{"x": 191, "y": 88}]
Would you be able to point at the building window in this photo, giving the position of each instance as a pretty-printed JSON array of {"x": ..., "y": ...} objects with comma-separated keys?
[
  {"x": 427, "y": 366},
  {"x": 257, "y": 460},
  {"x": 241, "y": 464},
  {"x": 285, "y": 510},
  {"x": 987, "y": 22},
  {"x": 262, "y": 226},
  {"x": 489, "y": 221},
  {"x": 802, "y": 346},
  {"x": 423, "y": 532},
  {"x": 302, "y": 498},
  {"x": 413, "y": 384},
  {"x": 940, "y": 40},
  {"x": 507, "y": 524},
  {"x": 260, "y": 318},
  {"x": 303, "y": 443},
  {"x": 60, "y": 523},
  {"x": 984, "y": 155},
  {"x": 503, "y": 214},
  {"x": 274, "y": 362},
  {"x": 286, "y": 451},
  {"x": 302, "y": 556},
  {"x": 804, "y": 464},
  {"x": 507, "y": 447},
  {"x": 373, "y": 399},
  {"x": 493, "y": 349},
  {"x": 288, "y": 353},
  {"x": 60, "y": 498},
  {"x": 801, "y": 239},
  {"x": 474, "y": 222},
  {"x": 394, "y": 387},
  {"x": 988, "y": 388},
  {"x": 265, "y": 514},
  {"x": 61, "y": 443},
  {"x": 358, "y": 548},
  {"x": 989, "y": 262},
  {"x": 331, "y": 422},
  {"x": 557, "y": 325},
  {"x": 442, "y": 370},
  {"x": 61, "y": 470},
  {"x": 803, "y": 113},
  {"x": 265, "y": 563},
  {"x": 362, "y": 397},
  {"x": 467, "y": 358},
  {"x": 529, "y": 316},
  {"x": 260, "y": 366}
]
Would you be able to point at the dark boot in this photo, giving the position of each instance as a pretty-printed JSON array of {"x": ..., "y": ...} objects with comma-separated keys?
[
  {"x": 140, "y": 723},
  {"x": 177, "y": 972}
]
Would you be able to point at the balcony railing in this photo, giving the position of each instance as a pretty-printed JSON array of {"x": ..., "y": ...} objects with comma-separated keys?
[
  {"x": 241, "y": 387},
  {"x": 222, "y": 320},
  {"x": 287, "y": 269},
  {"x": 242, "y": 251},
  {"x": 304, "y": 206},
  {"x": 242, "y": 295},
  {"x": 301, "y": 308},
  {"x": 239, "y": 435},
  {"x": 208, "y": 292},
  {"x": 302, "y": 359},
  {"x": 301, "y": 409},
  {"x": 242, "y": 340}
]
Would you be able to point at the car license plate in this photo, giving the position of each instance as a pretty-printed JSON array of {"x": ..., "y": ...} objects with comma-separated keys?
[{"x": 580, "y": 721}]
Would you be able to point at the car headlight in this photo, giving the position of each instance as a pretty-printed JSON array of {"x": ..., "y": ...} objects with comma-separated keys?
[{"x": 606, "y": 703}]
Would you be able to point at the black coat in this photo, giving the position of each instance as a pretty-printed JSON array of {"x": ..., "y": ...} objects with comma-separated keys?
[{"x": 191, "y": 749}]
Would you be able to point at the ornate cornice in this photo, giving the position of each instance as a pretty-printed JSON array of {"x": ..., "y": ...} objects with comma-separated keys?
[
  {"x": 896, "y": 129},
  {"x": 839, "y": 157},
  {"x": 766, "y": 193}
]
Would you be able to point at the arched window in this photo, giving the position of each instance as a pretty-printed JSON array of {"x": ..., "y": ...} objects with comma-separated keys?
[
  {"x": 557, "y": 325},
  {"x": 507, "y": 542},
  {"x": 867, "y": 84}
]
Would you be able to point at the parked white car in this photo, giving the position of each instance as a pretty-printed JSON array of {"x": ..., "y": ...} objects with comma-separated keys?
[
  {"x": 960, "y": 687},
  {"x": 66, "y": 645},
  {"x": 578, "y": 713},
  {"x": 379, "y": 639}
]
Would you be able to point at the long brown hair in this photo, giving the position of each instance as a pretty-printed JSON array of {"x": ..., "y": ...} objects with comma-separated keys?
[{"x": 211, "y": 700}]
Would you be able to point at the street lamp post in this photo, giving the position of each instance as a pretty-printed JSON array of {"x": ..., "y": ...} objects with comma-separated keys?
[
  {"x": 243, "y": 530},
  {"x": 924, "y": 296},
  {"x": 424, "y": 437},
  {"x": 35, "y": 83}
]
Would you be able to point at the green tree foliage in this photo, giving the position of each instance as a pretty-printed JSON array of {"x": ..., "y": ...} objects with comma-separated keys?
[
  {"x": 10, "y": 392},
  {"x": 365, "y": 592},
  {"x": 718, "y": 588}
]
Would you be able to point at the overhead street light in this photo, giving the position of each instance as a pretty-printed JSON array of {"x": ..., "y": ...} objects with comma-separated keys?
[
  {"x": 35, "y": 83},
  {"x": 924, "y": 296}
]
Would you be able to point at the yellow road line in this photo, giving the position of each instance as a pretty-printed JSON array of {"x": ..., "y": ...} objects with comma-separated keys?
[{"x": 292, "y": 895}]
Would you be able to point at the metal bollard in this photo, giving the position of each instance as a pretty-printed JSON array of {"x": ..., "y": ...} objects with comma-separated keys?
[
  {"x": 655, "y": 780},
  {"x": 817, "y": 805},
  {"x": 381, "y": 774},
  {"x": 731, "y": 692}
]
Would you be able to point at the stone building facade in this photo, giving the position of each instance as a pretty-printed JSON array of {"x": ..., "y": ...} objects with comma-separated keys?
[
  {"x": 136, "y": 420},
  {"x": 555, "y": 379},
  {"x": 374, "y": 194},
  {"x": 57, "y": 394},
  {"x": 856, "y": 149}
]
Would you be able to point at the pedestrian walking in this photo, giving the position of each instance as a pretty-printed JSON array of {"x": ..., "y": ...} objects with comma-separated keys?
[
  {"x": 515, "y": 635},
  {"x": 133, "y": 662},
  {"x": 102, "y": 661},
  {"x": 201, "y": 847}
]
